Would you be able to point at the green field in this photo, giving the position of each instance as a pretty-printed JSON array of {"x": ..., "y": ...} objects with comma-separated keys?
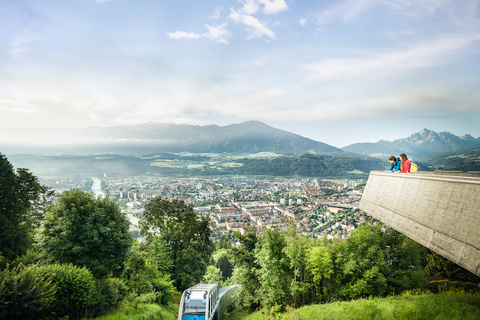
[
  {"x": 356, "y": 172},
  {"x": 164, "y": 164},
  {"x": 259, "y": 155},
  {"x": 422, "y": 307},
  {"x": 232, "y": 164}
]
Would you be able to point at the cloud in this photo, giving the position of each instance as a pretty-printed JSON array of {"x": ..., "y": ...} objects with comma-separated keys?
[
  {"x": 21, "y": 42},
  {"x": 183, "y": 35},
  {"x": 254, "y": 27},
  {"x": 216, "y": 14},
  {"x": 302, "y": 22},
  {"x": 347, "y": 10},
  {"x": 273, "y": 6},
  {"x": 102, "y": 1},
  {"x": 269, "y": 6},
  {"x": 243, "y": 15},
  {"x": 217, "y": 33},
  {"x": 17, "y": 106},
  {"x": 417, "y": 10},
  {"x": 422, "y": 55},
  {"x": 249, "y": 7}
]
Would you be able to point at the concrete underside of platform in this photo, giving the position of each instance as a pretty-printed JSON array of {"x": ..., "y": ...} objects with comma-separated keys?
[{"x": 438, "y": 210}]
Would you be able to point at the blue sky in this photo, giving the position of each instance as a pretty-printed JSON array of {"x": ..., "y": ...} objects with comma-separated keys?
[{"x": 339, "y": 72}]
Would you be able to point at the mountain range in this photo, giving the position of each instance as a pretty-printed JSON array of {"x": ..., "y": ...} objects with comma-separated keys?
[
  {"x": 246, "y": 137},
  {"x": 418, "y": 145},
  {"x": 166, "y": 141}
]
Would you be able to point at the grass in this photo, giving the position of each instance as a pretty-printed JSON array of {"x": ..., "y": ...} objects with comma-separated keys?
[
  {"x": 195, "y": 166},
  {"x": 356, "y": 172},
  {"x": 232, "y": 164},
  {"x": 422, "y": 307},
  {"x": 144, "y": 312},
  {"x": 147, "y": 312},
  {"x": 261, "y": 155},
  {"x": 164, "y": 164},
  {"x": 143, "y": 308}
]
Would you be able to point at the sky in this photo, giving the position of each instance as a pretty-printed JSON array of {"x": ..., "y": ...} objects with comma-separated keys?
[{"x": 338, "y": 72}]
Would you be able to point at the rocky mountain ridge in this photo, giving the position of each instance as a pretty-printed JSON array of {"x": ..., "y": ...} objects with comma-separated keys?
[{"x": 421, "y": 144}]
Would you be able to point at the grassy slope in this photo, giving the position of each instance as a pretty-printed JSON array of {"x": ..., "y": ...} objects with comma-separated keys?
[
  {"x": 427, "y": 307},
  {"x": 145, "y": 312}
]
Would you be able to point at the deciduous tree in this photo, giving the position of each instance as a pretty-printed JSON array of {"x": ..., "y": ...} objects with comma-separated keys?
[
  {"x": 274, "y": 274},
  {"x": 86, "y": 231},
  {"x": 320, "y": 265},
  {"x": 246, "y": 270},
  {"x": 18, "y": 190},
  {"x": 185, "y": 233}
]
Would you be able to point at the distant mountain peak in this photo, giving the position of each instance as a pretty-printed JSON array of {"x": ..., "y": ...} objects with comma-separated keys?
[
  {"x": 423, "y": 143},
  {"x": 425, "y": 132},
  {"x": 152, "y": 137}
]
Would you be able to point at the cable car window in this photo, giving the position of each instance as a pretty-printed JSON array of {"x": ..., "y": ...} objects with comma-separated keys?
[{"x": 194, "y": 308}]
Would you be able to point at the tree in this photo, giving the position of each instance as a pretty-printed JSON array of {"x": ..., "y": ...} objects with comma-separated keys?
[
  {"x": 222, "y": 260},
  {"x": 145, "y": 270},
  {"x": 274, "y": 275},
  {"x": 86, "y": 231},
  {"x": 246, "y": 270},
  {"x": 186, "y": 235},
  {"x": 212, "y": 275},
  {"x": 18, "y": 190},
  {"x": 362, "y": 263},
  {"x": 320, "y": 265},
  {"x": 438, "y": 266},
  {"x": 46, "y": 197},
  {"x": 296, "y": 251}
]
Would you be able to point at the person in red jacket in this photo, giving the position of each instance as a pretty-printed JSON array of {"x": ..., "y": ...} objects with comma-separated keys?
[{"x": 404, "y": 163}]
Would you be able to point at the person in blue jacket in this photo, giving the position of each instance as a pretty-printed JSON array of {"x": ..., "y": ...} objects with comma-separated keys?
[{"x": 394, "y": 164}]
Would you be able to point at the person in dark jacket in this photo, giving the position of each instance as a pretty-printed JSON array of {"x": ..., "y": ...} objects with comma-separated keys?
[{"x": 394, "y": 164}]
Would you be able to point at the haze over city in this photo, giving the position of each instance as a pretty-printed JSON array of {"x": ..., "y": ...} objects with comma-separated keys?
[{"x": 339, "y": 72}]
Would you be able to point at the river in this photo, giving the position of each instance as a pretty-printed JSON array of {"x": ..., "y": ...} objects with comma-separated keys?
[{"x": 97, "y": 187}]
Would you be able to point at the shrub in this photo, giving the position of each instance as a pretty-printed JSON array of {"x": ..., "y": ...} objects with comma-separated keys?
[
  {"x": 24, "y": 293},
  {"x": 164, "y": 287},
  {"x": 143, "y": 277},
  {"x": 134, "y": 303},
  {"x": 31, "y": 256},
  {"x": 416, "y": 292},
  {"x": 109, "y": 292},
  {"x": 75, "y": 289},
  {"x": 447, "y": 286}
]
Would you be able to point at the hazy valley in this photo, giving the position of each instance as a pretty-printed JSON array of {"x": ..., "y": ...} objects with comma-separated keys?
[{"x": 248, "y": 148}]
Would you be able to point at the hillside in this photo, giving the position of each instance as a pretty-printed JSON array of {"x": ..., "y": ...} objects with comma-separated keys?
[
  {"x": 462, "y": 160},
  {"x": 246, "y": 137},
  {"x": 167, "y": 164},
  {"x": 420, "y": 144},
  {"x": 422, "y": 307},
  {"x": 311, "y": 165}
]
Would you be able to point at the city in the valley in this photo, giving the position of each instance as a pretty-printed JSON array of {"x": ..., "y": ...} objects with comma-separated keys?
[{"x": 319, "y": 207}]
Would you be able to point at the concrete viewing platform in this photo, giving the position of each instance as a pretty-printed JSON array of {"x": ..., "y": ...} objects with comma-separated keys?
[{"x": 440, "y": 210}]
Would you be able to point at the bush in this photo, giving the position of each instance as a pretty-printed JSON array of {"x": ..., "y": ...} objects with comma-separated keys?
[
  {"x": 109, "y": 292},
  {"x": 447, "y": 286},
  {"x": 134, "y": 303},
  {"x": 164, "y": 287},
  {"x": 24, "y": 293},
  {"x": 31, "y": 256},
  {"x": 75, "y": 288},
  {"x": 143, "y": 277}
]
